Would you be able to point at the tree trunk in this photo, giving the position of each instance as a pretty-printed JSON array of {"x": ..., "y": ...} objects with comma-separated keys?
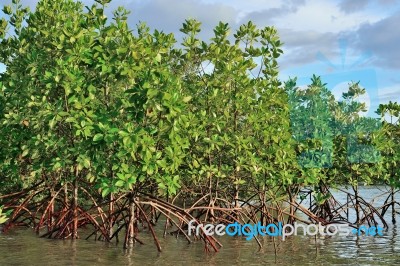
[
  {"x": 357, "y": 207},
  {"x": 66, "y": 195},
  {"x": 132, "y": 222},
  {"x": 51, "y": 212},
  {"x": 130, "y": 231},
  {"x": 110, "y": 216},
  {"x": 393, "y": 209},
  {"x": 75, "y": 209}
]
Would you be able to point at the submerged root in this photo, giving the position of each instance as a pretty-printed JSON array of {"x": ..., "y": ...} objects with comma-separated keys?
[{"x": 49, "y": 210}]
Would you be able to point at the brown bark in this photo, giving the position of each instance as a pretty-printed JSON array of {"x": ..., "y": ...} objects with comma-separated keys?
[
  {"x": 75, "y": 209},
  {"x": 111, "y": 220}
]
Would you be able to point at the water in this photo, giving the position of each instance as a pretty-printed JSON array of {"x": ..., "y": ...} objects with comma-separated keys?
[{"x": 23, "y": 247}]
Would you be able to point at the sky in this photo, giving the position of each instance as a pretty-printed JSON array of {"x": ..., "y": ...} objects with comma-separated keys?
[{"x": 340, "y": 40}]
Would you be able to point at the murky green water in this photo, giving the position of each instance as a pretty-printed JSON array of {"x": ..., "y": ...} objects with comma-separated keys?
[{"x": 22, "y": 247}]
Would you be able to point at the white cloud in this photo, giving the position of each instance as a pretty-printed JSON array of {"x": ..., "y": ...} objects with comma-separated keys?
[
  {"x": 390, "y": 93},
  {"x": 323, "y": 16}
]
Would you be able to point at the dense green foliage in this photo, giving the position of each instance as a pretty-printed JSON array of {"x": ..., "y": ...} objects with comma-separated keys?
[{"x": 81, "y": 101}]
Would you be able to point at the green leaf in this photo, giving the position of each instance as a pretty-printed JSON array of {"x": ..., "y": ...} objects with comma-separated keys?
[
  {"x": 120, "y": 183},
  {"x": 70, "y": 119},
  {"x": 105, "y": 192},
  {"x": 187, "y": 99},
  {"x": 98, "y": 137},
  {"x": 25, "y": 153},
  {"x": 158, "y": 58}
]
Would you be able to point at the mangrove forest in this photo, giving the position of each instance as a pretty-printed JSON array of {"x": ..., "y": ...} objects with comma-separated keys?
[{"x": 108, "y": 132}]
